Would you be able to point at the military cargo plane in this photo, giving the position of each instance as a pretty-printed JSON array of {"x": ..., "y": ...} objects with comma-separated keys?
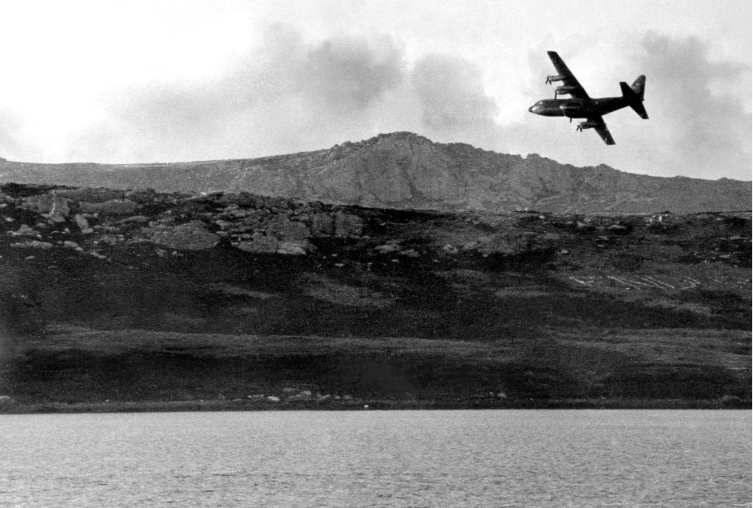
[{"x": 580, "y": 105}]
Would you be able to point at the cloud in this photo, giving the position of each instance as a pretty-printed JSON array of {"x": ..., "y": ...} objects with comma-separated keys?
[
  {"x": 285, "y": 95},
  {"x": 288, "y": 95},
  {"x": 9, "y": 127},
  {"x": 344, "y": 76},
  {"x": 706, "y": 125},
  {"x": 452, "y": 97}
]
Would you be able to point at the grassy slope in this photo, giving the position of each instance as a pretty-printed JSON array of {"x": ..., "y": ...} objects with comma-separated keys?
[{"x": 651, "y": 312}]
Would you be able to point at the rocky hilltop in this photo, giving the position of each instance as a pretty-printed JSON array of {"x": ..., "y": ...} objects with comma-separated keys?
[{"x": 407, "y": 171}]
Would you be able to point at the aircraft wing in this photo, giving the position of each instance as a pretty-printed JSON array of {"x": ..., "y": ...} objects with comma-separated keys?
[
  {"x": 602, "y": 130},
  {"x": 569, "y": 79}
]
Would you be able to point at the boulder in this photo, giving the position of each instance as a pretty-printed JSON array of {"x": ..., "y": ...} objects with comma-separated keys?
[
  {"x": 450, "y": 249},
  {"x": 298, "y": 248},
  {"x": 56, "y": 207},
  {"x": 387, "y": 248},
  {"x": 411, "y": 253},
  {"x": 111, "y": 207},
  {"x": 32, "y": 244},
  {"x": 83, "y": 224},
  {"x": 348, "y": 225},
  {"x": 25, "y": 230},
  {"x": 207, "y": 197},
  {"x": 191, "y": 236},
  {"x": 322, "y": 224},
  {"x": 223, "y": 224},
  {"x": 90, "y": 195},
  {"x": 136, "y": 219},
  {"x": 253, "y": 221},
  {"x": 141, "y": 196},
  {"x": 285, "y": 229},
  {"x": 72, "y": 245},
  {"x": 259, "y": 244},
  {"x": 618, "y": 228},
  {"x": 110, "y": 239},
  {"x": 304, "y": 395}
]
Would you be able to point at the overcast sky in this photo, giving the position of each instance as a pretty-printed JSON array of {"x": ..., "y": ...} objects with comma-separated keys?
[{"x": 131, "y": 81}]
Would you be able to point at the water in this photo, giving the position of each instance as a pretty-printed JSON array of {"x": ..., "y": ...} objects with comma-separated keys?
[{"x": 375, "y": 458}]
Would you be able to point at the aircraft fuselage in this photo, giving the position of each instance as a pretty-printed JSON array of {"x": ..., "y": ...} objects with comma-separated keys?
[{"x": 578, "y": 108}]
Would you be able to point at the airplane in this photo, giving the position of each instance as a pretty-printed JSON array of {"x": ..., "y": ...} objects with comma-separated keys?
[{"x": 580, "y": 105}]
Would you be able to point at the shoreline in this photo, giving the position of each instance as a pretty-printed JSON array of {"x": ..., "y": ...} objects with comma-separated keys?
[{"x": 362, "y": 404}]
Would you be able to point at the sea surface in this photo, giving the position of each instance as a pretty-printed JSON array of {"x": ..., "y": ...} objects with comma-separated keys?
[{"x": 523, "y": 458}]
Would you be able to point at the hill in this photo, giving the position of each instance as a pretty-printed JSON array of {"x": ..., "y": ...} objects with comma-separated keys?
[
  {"x": 406, "y": 171},
  {"x": 125, "y": 300}
]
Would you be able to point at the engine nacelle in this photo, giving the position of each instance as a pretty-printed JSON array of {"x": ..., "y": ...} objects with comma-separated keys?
[
  {"x": 587, "y": 125},
  {"x": 552, "y": 79},
  {"x": 564, "y": 89}
]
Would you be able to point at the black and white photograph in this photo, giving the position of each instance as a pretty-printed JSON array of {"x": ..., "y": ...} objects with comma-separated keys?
[{"x": 375, "y": 253}]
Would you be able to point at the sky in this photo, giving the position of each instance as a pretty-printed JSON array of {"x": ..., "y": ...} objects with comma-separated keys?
[{"x": 164, "y": 81}]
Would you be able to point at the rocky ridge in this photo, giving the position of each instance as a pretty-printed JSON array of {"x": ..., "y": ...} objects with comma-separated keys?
[{"x": 407, "y": 171}]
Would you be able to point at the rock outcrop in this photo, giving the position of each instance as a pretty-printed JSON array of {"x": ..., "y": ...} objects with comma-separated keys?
[
  {"x": 52, "y": 205},
  {"x": 191, "y": 236},
  {"x": 402, "y": 171},
  {"x": 109, "y": 207},
  {"x": 250, "y": 223},
  {"x": 40, "y": 217}
]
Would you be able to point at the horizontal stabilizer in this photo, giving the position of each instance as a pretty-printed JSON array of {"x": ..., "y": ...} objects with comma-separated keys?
[{"x": 635, "y": 101}]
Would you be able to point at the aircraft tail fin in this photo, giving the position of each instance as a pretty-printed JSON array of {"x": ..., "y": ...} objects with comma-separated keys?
[
  {"x": 639, "y": 85},
  {"x": 634, "y": 95}
]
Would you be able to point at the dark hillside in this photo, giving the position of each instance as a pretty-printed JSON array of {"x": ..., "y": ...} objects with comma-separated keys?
[{"x": 136, "y": 296}]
